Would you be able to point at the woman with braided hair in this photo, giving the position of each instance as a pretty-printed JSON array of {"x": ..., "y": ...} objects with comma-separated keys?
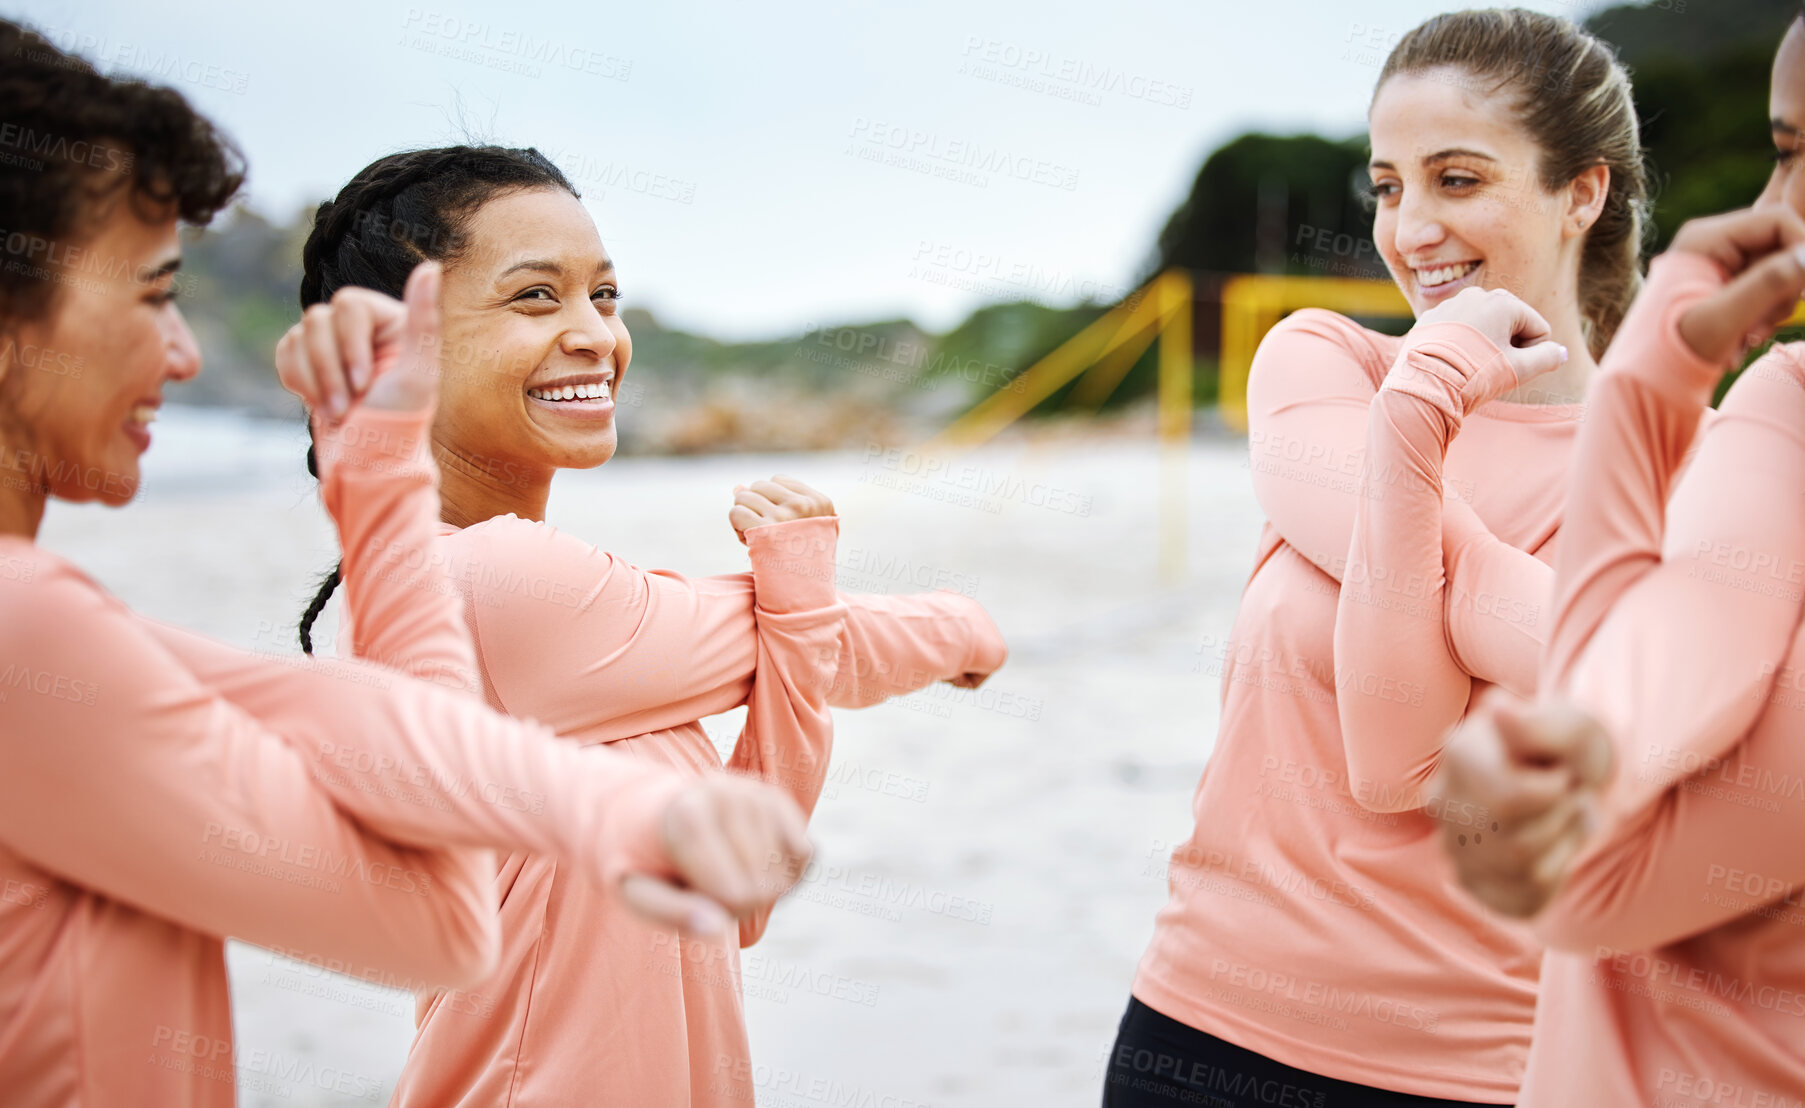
[
  {"x": 163, "y": 792},
  {"x": 591, "y": 1004}
]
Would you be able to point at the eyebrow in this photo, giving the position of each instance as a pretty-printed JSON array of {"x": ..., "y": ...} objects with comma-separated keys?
[
  {"x": 1441, "y": 156},
  {"x": 169, "y": 266},
  {"x": 1781, "y": 127},
  {"x": 546, "y": 265}
]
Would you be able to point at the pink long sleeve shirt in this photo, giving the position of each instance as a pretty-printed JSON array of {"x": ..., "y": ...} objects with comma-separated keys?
[
  {"x": 1676, "y": 974},
  {"x": 591, "y": 1004},
  {"x": 1404, "y": 562},
  {"x": 162, "y": 792}
]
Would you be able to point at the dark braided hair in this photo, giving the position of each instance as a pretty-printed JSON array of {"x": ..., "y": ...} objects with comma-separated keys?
[
  {"x": 72, "y": 136},
  {"x": 394, "y": 214}
]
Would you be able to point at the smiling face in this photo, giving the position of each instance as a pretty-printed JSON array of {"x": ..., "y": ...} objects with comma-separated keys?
[
  {"x": 534, "y": 347},
  {"x": 1460, "y": 199},
  {"x": 1786, "y": 110},
  {"x": 82, "y": 384}
]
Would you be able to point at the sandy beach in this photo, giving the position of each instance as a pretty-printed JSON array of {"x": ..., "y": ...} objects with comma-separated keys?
[{"x": 989, "y": 862}]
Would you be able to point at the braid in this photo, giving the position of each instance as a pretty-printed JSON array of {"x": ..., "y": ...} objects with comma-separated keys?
[
  {"x": 394, "y": 214},
  {"x": 319, "y": 605}
]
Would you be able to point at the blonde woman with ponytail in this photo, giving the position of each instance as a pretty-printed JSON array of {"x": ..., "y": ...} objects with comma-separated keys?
[{"x": 1316, "y": 948}]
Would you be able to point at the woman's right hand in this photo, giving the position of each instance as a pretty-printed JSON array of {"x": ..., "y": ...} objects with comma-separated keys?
[
  {"x": 365, "y": 346},
  {"x": 738, "y": 845},
  {"x": 778, "y": 500},
  {"x": 1516, "y": 329},
  {"x": 1535, "y": 772},
  {"x": 1763, "y": 250}
]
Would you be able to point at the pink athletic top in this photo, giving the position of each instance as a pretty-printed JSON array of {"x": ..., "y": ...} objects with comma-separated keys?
[
  {"x": 590, "y": 1003},
  {"x": 1313, "y": 916},
  {"x": 1676, "y": 974},
  {"x": 162, "y": 792}
]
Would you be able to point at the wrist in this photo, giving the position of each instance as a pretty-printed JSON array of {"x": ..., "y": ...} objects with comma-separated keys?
[{"x": 793, "y": 563}]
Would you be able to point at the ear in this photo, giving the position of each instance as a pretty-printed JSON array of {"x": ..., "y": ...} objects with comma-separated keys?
[{"x": 1586, "y": 197}]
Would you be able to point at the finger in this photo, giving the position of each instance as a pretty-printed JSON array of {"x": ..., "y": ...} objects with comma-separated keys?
[
  {"x": 1551, "y": 868},
  {"x": 1739, "y": 239},
  {"x": 665, "y": 904},
  {"x": 1536, "y": 836},
  {"x": 293, "y": 370},
  {"x": 698, "y": 848},
  {"x": 743, "y": 517},
  {"x": 1533, "y": 361},
  {"x": 1556, "y": 734},
  {"x": 748, "y": 840},
  {"x": 797, "y": 487},
  {"x": 420, "y": 337},
  {"x": 1716, "y": 327},
  {"x": 793, "y": 839},
  {"x": 731, "y": 879},
  {"x": 353, "y": 328},
  {"x": 748, "y": 498},
  {"x": 774, "y": 492},
  {"x": 1521, "y": 794},
  {"x": 322, "y": 352},
  {"x": 1527, "y": 327}
]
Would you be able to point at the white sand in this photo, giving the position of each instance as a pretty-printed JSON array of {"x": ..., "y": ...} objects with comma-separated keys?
[{"x": 1051, "y": 830}]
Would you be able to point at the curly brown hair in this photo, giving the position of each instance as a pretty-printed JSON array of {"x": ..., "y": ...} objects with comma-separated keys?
[{"x": 70, "y": 136}]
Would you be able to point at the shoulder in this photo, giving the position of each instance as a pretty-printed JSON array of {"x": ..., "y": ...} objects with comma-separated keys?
[
  {"x": 510, "y": 556},
  {"x": 36, "y": 584},
  {"x": 509, "y": 537},
  {"x": 1310, "y": 333}
]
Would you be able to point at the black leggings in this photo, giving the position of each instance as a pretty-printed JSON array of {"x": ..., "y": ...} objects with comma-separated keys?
[{"x": 1158, "y": 1062}]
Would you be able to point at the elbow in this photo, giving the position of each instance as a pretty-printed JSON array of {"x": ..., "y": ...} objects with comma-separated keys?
[
  {"x": 1384, "y": 785},
  {"x": 1385, "y": 795}
]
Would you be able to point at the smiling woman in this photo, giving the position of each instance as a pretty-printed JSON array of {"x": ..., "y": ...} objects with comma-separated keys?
[
  {"x": 590, "y": 1004},
  {"x": 163, "y": 792},
  {"x": 1508, "y": 181}
]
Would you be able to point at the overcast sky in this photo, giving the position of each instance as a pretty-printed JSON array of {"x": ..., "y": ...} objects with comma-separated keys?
[{"x": 757, "y": 168}]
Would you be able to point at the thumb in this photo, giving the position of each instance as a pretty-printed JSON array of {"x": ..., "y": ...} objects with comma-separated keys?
[
  {"x": 1717, "y": 327},
  {"x": 668, "y": 906},
  {"x": 1530, "y": 362},
  {"x": 420, "y": 337}
]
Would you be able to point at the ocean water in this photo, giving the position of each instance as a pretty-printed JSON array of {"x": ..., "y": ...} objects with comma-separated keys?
[{"x": 990, "y": 862}]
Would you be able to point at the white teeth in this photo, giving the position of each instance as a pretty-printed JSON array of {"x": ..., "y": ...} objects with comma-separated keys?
[
  {"x": 598, "y": 391},
  {"x": 144, "y": 413},
  {"x": 1441, "y": 275}
]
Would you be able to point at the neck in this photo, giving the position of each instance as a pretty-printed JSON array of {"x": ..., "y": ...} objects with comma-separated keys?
[
  {"x": 471, "y": 492},
  {"x": 22, "y": 496}
]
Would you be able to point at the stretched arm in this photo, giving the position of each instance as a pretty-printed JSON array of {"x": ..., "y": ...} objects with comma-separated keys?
[
  {"x": 1672, "y": 636},
  {"x": 380, "y": 484},
  {"x": 1399, "y": 685},
  {"x": 643, "y": 651},
  {"x": 1310, "y": 408},
  {"x": 128, "y": 777},
  {"x": 788, "y": 735}
]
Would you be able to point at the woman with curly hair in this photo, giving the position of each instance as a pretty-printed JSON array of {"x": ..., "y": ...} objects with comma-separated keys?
[{"x": 163, "y": 792}]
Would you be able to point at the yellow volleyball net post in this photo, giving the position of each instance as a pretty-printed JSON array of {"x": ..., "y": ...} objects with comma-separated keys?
[
  {"x": 1100, "y": 356},
  {"x": 1251, "y": 305}
]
